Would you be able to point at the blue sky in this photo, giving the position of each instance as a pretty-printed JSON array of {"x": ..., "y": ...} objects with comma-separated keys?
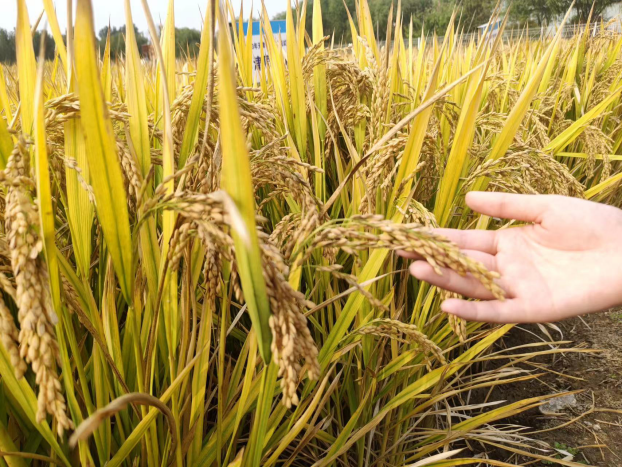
[{"x": 186, "y": 11}]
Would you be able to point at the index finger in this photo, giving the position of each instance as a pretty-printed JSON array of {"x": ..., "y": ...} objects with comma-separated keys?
[
  {"x": 527, "y": 208},
  {"x": 480, "y": 240}
]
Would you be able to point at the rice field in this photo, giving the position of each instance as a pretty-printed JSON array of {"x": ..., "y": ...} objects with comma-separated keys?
[{"x": 197, "y": 259}]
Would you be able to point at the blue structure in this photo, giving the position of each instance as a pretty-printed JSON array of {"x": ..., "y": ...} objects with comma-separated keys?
[
  {"x": 493, "y": 29},
  {"x": 277, "y": 27},
  {"x": 278, "y": 30}
]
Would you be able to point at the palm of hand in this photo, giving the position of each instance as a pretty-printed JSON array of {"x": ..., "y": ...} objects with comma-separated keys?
[{"x": 564, "y": 264}]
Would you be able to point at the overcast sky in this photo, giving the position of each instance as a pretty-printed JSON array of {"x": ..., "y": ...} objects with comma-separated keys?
[{"x": 186, "y": 11}]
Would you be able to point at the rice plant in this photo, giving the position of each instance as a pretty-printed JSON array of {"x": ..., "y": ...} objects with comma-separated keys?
[{"x": 197, "y": 261}]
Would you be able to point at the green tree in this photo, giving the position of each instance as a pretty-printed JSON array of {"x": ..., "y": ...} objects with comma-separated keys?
[
  {"x": 187, "y": 41},
  {"x": 117, "y": 40},
  {"x": 545, "y": 11},
  {"x": 334, "y": 19},
  {"x": 533, "y": 13},
  {"x": 582, "y": 7},
  {"x": 7, "y": 46},
  {"x": 428, "y": 13},
  {"x": 431, "y": 15},
  {"x": 49, "y": 45},
  {"x": 476, "y": 13}
]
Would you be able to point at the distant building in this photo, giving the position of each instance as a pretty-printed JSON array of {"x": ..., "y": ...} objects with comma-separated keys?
[
  {"x": 493, "y": 29},
  {"x": 259, "y": 47},
  {"x": 146, "y": 51}
]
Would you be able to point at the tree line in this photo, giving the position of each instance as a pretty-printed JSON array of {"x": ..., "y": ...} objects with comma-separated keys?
[
  {"x": 186, "y": 42},
  {"x": 7, "y": 46},
  {"x": 434, "y": 15},
  {"x": 430, "y": 15}
]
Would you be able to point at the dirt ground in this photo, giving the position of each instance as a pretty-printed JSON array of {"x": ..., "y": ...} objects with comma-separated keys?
[{"x": 596, "y": 438}]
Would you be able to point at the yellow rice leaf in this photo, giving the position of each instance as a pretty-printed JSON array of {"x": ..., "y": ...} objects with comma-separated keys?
[
  {"x": 108, "y": 185},
  {"x": 465, "y": 130},
  {"x": 106, "y": 73},
  {"x": 44, "y": 191},
  {"x": 296, "y": 86},
  {"x": 166, "y": 90},
  {"x": 139, "y": 431},
  {"x": 320, "y": 113},
  {"x": 412, "y": 151},
  {"x": 135, "y": 96},
  {"x": 395, "y": 70},
  {"x": 345, "y": 433},
  {"x": 573, "y": 131},
  {"x": 80, "y": 210},
  {"x": 7, "y": 445},
  {"x": 237, "y": 182},
  {"x": 355, "y": 37},
  {"x": 191, "y": 131},
  {"x": 251, "y": 363},
  {"x": 300, "y": 424},
  {"x": 520, "y": 107},
  {"x": 110, "y": 320},
  {"x": 27, "y": 401},
  {"x": 208, "y": 454},
  {"x": 56, "y": 34},
  {"x": 237, "y": 462},
  {"x": 423, "y": 383},
  {"x": 166, "y": 65},
  {"x": 6, "y": 143},
  {"x": 420, "y": 67},
  {"x": 199, "y": 380},
  {"x": 301, "y": 27},
  {"x": 366, "y": 26},
  {"x": 613, "y": 55},
  {"x": 603, "y": 186},
  {"x": 5, "y": 103},
  {"x": 248, "y": 51},
  {"x": 243, "y": 48},
  {"x": 277, "y": 72},
  {"x": 139, "y": 133},
  {"x": 262, "y": 413},
  {"x": 26, "y": 66},
  {"x": 167, "y": 43},
  {"x": 584, "y": 155}
]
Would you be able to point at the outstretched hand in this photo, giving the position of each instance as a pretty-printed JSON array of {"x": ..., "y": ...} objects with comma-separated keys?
[{"x": 567, "y": 262}]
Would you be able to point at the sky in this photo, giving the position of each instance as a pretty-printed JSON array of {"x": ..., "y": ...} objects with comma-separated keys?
[{"x": 187, "y": 12}]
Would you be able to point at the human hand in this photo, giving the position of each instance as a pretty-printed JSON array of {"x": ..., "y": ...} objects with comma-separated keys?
[{"x": 566, "y": 263}]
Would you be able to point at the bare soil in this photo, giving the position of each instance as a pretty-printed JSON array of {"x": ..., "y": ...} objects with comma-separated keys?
[{"x": 595, "y": 438}]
